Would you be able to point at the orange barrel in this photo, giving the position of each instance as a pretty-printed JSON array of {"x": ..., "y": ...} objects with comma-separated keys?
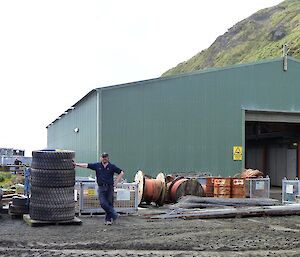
[
  {"x": 209, "y": 187},
  {"x": 222, "y": 187},
  {"x": 238, "y": 188},
  {"x": 152, "y": 190}
]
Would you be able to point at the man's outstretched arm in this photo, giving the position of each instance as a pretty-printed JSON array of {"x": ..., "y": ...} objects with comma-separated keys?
[{"x": 81, "y": 165}]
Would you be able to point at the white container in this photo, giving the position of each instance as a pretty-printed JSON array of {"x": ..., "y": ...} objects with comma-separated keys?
[
  {"x": 290, "y": 190},
  {"x": 258, "y": 187}
]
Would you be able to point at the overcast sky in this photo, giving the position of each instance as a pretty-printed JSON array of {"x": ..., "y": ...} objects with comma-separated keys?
[{"x": 54, "y": 52}]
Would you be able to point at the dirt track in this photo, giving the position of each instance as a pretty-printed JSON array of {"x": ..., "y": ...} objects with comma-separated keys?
[{"x": 136, "y": 236}]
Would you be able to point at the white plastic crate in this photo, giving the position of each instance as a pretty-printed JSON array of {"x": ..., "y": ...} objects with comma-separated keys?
[
  {"x": 290, "y": 190},
  {"x": 258, "y": 187},
  {"x": 125, "y": 198}
]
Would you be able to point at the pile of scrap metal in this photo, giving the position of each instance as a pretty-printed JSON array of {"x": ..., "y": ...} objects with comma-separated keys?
[
  {"x": 18, "y": 206},
  {"x": 15, "y": 204},
  {"x": 192, "y": 207},
  {"x": 170, "y": 188},
  {"x": 224, "y": 198},
  {"x": 7, "y": 195},
  {"x": 191, "y": 202},
  {"x": 165, "y": 189}
]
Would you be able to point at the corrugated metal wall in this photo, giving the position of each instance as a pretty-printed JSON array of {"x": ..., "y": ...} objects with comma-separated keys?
[
  {"x": 191, "y": 123},
  {"x": 61, "y": 134},
  {"x": 184, "y": 123}
]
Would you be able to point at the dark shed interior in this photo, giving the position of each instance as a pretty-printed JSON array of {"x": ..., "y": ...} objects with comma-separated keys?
[{"x": 273, "y": 148}]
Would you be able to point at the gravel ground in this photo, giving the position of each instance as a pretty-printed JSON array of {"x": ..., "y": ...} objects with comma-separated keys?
[{"x": 137, "y": 236}]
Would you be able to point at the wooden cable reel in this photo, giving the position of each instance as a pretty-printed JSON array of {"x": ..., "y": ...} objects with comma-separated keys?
[
  {"x": 184, "y": 186},
  {"x": 151, "y": 189},
  {"x": 165, "y": 189}
]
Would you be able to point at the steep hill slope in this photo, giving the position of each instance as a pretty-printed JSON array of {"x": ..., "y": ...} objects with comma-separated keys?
[{"x": 258, "y": 37}]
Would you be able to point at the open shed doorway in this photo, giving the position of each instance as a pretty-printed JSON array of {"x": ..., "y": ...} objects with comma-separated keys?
[{"x": 272, "y": 144}]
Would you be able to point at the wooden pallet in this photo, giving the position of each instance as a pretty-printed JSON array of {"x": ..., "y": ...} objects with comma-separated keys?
[{"x": 39, "y": 223}]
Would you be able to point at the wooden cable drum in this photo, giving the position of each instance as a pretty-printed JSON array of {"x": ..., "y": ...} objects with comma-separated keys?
[
  {"x": 184, "y": 186},
  {"x": 238, "y": 188},
  {"x": 161, "y": 177},
  {"x": 222, "y": 187},
  {"x": 150, "y": 189},
  {"x": 140, "y": 180},
  {"x": 167, "y": 196},
  {"x": 169, "y": 187}
]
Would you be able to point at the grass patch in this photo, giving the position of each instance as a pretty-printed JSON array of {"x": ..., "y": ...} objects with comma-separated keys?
[
  {"x": 250, "y": 40},
  {"x": 7, "y": 179}
]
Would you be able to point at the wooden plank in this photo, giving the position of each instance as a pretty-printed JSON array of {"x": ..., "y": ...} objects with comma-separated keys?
[{"x": 38, "y": 223}]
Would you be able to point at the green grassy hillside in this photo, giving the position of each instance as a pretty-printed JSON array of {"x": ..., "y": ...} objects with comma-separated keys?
[{"x": 258, "y": 37}]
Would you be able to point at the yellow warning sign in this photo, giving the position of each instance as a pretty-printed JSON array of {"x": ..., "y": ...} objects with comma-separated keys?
[
  {"x": 237, "y": 153},
  {"x": 90, "y": 192}
]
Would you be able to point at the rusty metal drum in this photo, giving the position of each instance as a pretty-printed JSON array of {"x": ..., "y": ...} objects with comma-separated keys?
[
  {"x": 222, "y": 187},
  {"x": 238, "y": 188},
  {"x": 209, "y": 189}
]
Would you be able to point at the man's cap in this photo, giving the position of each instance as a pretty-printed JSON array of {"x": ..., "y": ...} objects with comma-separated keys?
[{"x": 104, "y": 154}]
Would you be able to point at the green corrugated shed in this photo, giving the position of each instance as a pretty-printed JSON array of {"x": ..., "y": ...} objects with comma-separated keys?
[{"x": 184, "y": 123}]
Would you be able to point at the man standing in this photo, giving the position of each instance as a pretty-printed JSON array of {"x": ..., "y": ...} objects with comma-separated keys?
[
  {"x": 17, "y": 164},
  {"x": 105, "y": 180}
]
